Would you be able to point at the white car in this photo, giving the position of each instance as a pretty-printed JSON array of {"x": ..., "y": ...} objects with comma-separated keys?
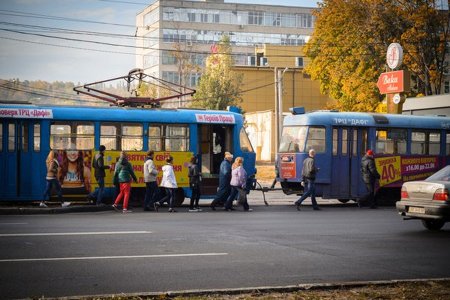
[{"x": 427, "y": 200}]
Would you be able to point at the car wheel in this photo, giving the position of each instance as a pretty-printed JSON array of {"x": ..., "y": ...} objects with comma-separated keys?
[{"x": 433, "y": 224}]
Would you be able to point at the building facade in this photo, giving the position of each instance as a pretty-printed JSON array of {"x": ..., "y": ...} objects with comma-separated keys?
[{"x": 178, "y": 35}]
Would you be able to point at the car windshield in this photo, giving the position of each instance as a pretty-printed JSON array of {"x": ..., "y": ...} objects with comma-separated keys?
[{"x": 441, "y": 175}]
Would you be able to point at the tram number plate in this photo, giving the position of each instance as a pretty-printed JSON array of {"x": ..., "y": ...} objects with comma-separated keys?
[{"x": 417, "y": 210}]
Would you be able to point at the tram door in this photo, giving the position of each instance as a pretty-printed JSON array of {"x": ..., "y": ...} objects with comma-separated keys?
[
  {"x": 348, "y": 144},
  {"x": 20, "y": 159},
  {"x": 214, "y": 141}
]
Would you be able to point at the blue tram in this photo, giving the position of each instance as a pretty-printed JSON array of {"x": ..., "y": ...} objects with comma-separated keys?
[
  {"x": 406, "y": 148},
  {"x": 28, "y": 132}
]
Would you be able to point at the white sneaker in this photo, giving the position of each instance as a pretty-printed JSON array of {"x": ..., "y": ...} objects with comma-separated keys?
[
  {"x": 65, "y": 204},
  {"x": 193, "y": 210},
  {"x": 125, "y": 211},
  {"x": 42, "y": 204}
]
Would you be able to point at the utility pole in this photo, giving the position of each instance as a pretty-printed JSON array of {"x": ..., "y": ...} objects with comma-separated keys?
[{"x": 278, "y": 105}]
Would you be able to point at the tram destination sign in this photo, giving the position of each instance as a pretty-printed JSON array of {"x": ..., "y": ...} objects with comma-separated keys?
[{"x": 26, "y": 113}]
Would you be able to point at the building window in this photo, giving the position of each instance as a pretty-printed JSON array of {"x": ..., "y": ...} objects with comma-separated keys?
[
  {"x": 168, "y": 58},
  {"x": 191, "y": 17},
  {"x": 255, "y": 18}
]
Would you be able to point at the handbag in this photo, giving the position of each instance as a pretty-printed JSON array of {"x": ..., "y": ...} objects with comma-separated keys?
[{"x": 242, "y": 197}]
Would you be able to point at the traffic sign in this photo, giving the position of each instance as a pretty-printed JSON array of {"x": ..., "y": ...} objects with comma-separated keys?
[{"x": 391, "y": 82}]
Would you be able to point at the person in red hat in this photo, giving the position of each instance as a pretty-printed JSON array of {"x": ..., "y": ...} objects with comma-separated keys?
[{"x": 369, "y": 175}]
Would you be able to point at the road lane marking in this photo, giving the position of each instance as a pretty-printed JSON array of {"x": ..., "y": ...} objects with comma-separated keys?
[
  {"x": 13, "y": 223},
  {"x": 110, "y": 257},
  {"x": 72, "y": 233}
]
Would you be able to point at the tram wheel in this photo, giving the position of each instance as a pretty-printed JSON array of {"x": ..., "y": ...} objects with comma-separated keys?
[
  {"x": 179, "y": 197},
  {"x": 433, "y": 224}
]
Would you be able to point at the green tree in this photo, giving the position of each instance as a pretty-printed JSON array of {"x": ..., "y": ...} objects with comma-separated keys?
[
  {"x": 348, "y": 46},
  {"x": 219, "y": 86}
]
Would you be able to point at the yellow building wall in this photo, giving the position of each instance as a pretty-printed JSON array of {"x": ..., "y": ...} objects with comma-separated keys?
[
  {"x": 298, "y": 89},
  {"x": 258, "y": 88}
]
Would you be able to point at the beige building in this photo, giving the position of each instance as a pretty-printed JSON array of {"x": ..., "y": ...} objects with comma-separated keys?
[{"x": 178, "y": 35}]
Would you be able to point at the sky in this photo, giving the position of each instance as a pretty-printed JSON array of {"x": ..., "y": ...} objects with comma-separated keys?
[{"x": 28, "y": 53}]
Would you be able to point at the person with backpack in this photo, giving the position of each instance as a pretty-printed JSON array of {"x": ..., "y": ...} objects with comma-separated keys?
[
  {"x": 99, "y": 172},
  {"x": 195, "y": 178},
  {"x": 123, "y": 175}
]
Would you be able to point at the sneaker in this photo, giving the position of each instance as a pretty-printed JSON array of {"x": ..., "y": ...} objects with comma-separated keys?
[
  {"x": 65, "y": 204},
  {"x": 125, "y": 211},
  {"x": 172, "y": 210},
  {"x": 198, "y": 209},
  {"x": 115, "y": 207},
  {"x": 193, "y": 210},
  {"x": 42, "y": 204},
  {"x": 156, "y": 206},
  {"x": 249, "y": 209},
  {"x": 297, "y": 206}
]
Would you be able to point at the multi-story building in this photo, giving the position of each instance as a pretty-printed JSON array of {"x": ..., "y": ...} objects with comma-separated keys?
[{"x": 178, "y": 35}]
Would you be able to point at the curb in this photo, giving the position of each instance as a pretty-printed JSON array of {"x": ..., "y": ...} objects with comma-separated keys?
[{"x": 259, "y": 290}]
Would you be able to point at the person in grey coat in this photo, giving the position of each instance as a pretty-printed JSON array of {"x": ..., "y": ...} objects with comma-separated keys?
[{"x": 309, "y": 171}]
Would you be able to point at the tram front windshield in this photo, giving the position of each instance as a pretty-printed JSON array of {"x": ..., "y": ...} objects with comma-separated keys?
[{"x": 298, "y": 139}]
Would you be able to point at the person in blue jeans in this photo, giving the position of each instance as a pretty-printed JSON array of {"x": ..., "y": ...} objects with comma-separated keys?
[
  {"x": 238, "y": 185},
  {"x": 52, "y": 179},
  {"x": 309, "y": 172},
  {"x": 99, "y": 167},
  {"x": 151, "y": 187}
]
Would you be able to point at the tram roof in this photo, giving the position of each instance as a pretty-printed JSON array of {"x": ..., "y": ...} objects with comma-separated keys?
[
  {"x": 127, "y": 114},
  {"x": 359, "y": 119}
]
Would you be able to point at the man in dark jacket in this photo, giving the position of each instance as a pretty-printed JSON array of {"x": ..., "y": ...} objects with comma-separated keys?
[
  {"x": 224, "y": 181},
  {"x": 369, "y": 175},
  {"x": 309, "y": 171},
  {"x": 99, "y": 172}
]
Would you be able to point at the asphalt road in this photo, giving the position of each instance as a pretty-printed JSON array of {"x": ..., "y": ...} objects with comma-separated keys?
[{"x": 100, "y": 253}]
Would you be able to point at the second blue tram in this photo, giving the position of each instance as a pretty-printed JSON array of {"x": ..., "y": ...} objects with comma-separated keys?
[{"x": 406, "y": 148}]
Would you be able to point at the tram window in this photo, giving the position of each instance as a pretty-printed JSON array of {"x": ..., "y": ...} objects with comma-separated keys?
[
  {"x": 72, "y": 135},
  {"x": 24, "y": 138},
  {"x": 316, "y": 139},
  {"x": 37, "y": 137},
  {"x": 391, "y": 141},
  {"x": 435, "y": 143},
  {"x": 293, "y": 139},
  {"x": 176, "y": 138},
  {"x": 11, "y": 137},
  {"x": 1, "y": 137},
  {"x": 154, "y": 138},
  {"x": 335, "y": 141},
  {"x": 84, "y": 136},
  {"x": 344, "y": 141},
  {"x": 109, "y": 136},
  {"x": 363, "y": 141},
  {"x": 447, "y": 145},
  {"x": 246, "y": 145},
  {"x": 418, "y": 143},
  {"x": 60, "y": 136},
  {"x": 132, "y": 137}
]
